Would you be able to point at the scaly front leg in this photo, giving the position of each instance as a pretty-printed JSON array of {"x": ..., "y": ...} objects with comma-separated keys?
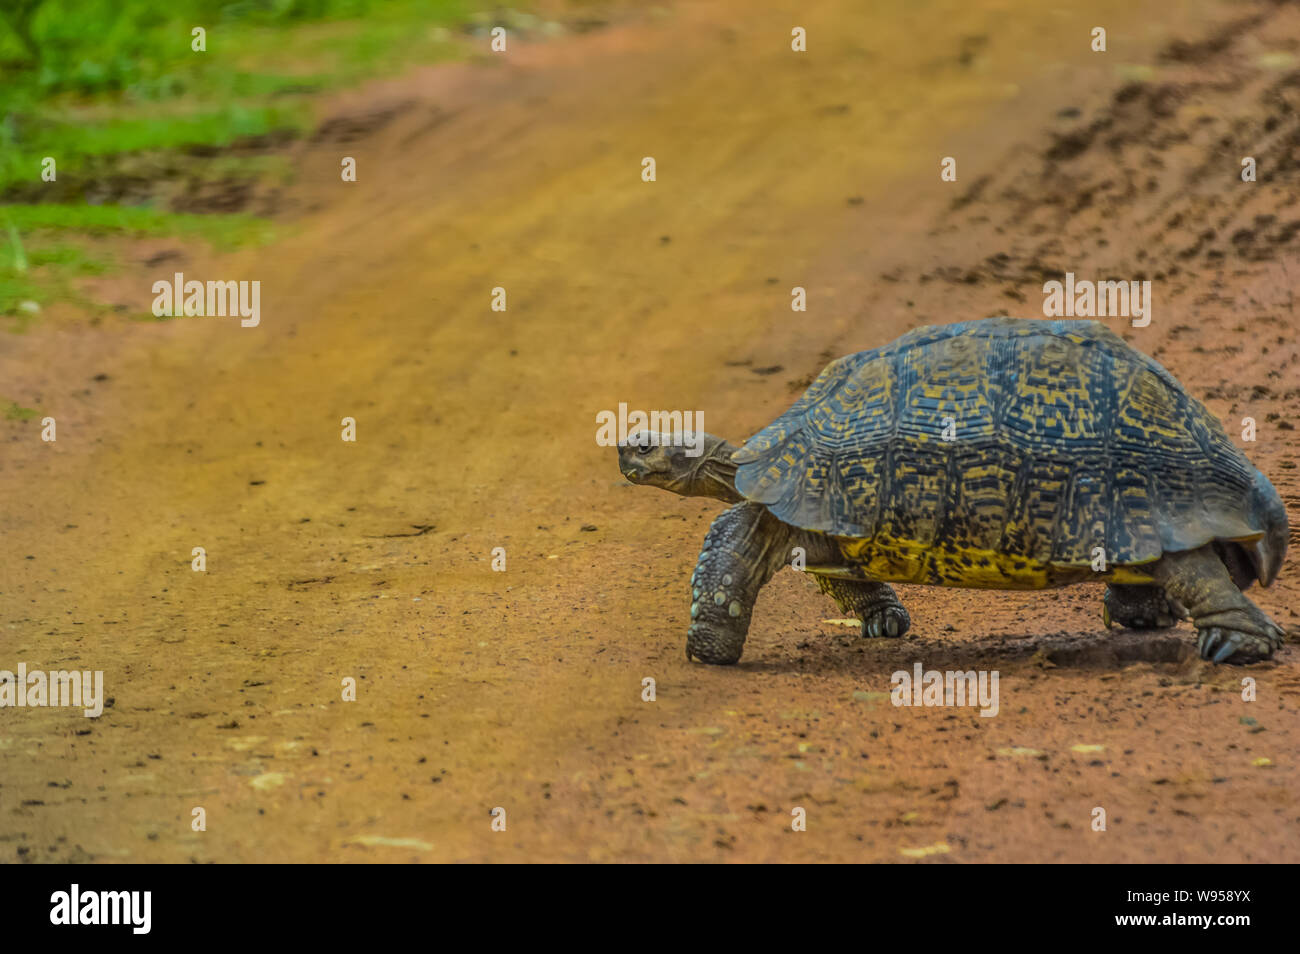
[
  {"x": 1231, "y": 627},
  {"x": 743, "y": 548}
]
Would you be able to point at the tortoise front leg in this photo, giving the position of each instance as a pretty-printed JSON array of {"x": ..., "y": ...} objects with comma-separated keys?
[
  {"x": 876, "y": 604},
  {"x": 743, "y": 548},
  {"x": 1230, "y": 626}
]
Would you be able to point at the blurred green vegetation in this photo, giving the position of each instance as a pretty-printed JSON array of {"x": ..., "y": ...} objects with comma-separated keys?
[
  {"x": 13, "y": 411},
  {"x": 223, "y": 231},
  {"x": 41, "y": 263},
  {"x": 100, "y": 84},
  {"x": 85, "y": 78},
  {"x": 143, "y": 48}
]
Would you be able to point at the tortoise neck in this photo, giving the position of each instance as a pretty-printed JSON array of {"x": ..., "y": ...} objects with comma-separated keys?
[{"x": 715, "y": 476}]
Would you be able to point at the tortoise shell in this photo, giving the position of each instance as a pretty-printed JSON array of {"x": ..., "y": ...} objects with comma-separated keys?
[{"x": 1061, "y": 438}]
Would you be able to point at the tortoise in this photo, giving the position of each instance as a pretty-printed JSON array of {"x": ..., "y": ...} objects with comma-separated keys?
[{"x": 1002, "y": 453}]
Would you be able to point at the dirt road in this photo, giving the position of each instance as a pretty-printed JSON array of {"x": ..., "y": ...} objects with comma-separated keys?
[{"x": 475, "y": 430}]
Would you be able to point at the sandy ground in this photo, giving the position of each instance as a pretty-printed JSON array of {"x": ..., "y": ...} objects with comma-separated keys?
[{"x": 523, "y": 689}]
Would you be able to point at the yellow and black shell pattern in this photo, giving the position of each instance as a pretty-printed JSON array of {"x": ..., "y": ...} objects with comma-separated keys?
[{"x": 998, "y": 453}]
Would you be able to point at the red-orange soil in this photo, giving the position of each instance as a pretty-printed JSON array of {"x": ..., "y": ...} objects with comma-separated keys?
[{"x": 522, "y": 689}]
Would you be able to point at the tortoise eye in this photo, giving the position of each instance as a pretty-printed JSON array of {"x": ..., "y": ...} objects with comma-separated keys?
[{"x": 644, "y": 448}]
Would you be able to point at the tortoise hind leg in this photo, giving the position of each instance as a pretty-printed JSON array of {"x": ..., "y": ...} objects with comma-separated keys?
[
  {"x": 743, "y": 548},
  {"x": 875, "y": 604},
  {"x": 1230, "y": 626},
  {"x": 1136, "y": 606}
]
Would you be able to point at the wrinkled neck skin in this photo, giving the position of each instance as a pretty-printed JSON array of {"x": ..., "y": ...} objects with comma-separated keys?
[{"x": 715, "y": 475}]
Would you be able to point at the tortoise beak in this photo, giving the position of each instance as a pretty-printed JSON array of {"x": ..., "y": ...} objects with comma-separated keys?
[{"x": 628, "y": 464}]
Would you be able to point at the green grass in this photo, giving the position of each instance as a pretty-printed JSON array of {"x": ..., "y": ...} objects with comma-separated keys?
[
  {"x": 119, "y": 76},
  {"x": 43, "y": 264},
  {"x": 71, "y": 144},
  {"x": 13, "y": 411},
  {"x": 39, "y": 274},
  {"x": 14, "y": 290},
  {"x": 70, "y": 259},
  {"x": 142, "y": 48},
  {"x": 112, "y": 88},
  {"x": 223, "y": 231}
]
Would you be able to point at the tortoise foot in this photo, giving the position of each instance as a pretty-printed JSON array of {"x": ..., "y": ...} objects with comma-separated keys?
[
  {"x": 876, "y": 604},
  {"x": 889, "y": 620},
  {"x": 715, "y": 645},
  {"x": 1140, "y": 607},
  {"x": 1223, "y": 644}
]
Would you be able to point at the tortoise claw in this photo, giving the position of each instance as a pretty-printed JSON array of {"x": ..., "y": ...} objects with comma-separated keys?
[
  {"x": 1228, "y": 648},
  {"x": 885, "y": 620},
  {"x": 1222, "y": 644}
]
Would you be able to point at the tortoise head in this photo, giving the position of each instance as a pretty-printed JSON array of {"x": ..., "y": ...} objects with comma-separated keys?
[
  {"x": 1269, "y": 552},
  {"x": 691, "y": 465}
]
